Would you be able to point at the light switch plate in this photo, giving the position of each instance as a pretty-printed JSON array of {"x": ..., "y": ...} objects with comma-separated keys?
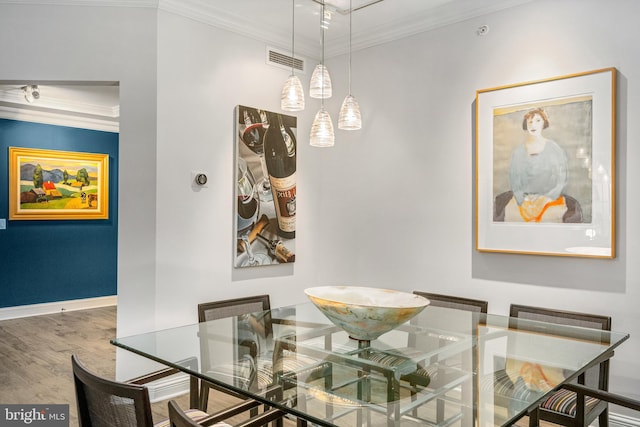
[{"x": 3, "y": 224}]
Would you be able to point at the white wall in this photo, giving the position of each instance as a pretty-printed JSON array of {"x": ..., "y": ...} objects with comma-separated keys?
[
  {"x": 45, "y": 43},
  {"x": 399, "y": 200},
  {"x": 203, "y": 73}
]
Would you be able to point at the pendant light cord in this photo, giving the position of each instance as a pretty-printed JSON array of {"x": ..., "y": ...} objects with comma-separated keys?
[
  {"x": 293, "y": 31},
  {"x": 350, "y": 14},
  {"x": 322, "y": 56}
]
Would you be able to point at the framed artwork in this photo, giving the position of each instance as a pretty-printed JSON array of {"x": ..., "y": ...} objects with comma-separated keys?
[
  {"x": 57, "y": 185},
  {"x": 265, "y": 207},
  {"x": 545, "y": 166}
]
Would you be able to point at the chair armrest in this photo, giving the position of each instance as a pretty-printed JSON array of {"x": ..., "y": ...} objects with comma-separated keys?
[
  {"x": 613, "y": 398},
  {"x": 191, "y": 362}
]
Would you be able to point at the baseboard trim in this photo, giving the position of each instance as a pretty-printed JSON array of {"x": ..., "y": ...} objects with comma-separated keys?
[
  {"x": 168, "y": 388},
  {"x": 7, "y": 313},
  {"x": 620, "y": 420}
]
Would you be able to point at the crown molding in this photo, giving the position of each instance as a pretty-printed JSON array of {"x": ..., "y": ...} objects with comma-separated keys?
[
  {"x": 69, "y": 105},
  {"x": 110, "y": 3},
  {"x": 438, "y": 17},
  {"x": 207, "y": 12},
  {"x": 28, "y": 115}
]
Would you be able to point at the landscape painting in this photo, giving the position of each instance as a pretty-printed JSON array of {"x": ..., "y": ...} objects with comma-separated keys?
[{"x": 57, "y": 185}]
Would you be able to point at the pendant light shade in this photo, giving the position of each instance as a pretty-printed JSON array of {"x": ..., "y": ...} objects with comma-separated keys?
[
  {"x": 322, "y": 134},
  {"x": 292, "y": 98},
  {"x": 320, "y": 86},
  {"x": 292, "y": 95},
  {"x": 350, "y": 118}
]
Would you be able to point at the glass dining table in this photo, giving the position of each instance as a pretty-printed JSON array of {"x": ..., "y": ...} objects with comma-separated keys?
[{"x": 444, "y": 367}]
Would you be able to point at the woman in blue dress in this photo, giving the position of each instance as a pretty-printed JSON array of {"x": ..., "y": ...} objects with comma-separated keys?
[{"x": 538, "y": 177}]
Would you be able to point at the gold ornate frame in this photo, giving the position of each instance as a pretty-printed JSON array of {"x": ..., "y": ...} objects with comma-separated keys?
[{"x": 57, "y": 185}]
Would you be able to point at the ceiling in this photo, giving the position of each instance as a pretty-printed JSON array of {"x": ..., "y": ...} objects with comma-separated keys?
[
  {"x": 270, "y": 21},
  {"x": 373, "y": 21}
]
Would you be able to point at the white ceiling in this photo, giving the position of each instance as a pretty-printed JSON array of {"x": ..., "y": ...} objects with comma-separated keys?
[{"x": 373, "y": 21}]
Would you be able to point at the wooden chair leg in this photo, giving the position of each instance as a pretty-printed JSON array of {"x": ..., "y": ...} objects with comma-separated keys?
[
  {"x": 534, "y": 418},
  {"x": 603, "y": 418},
  {"x": 204, "y": 398}
]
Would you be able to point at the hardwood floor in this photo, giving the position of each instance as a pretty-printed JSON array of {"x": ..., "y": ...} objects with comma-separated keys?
[{"x": 35, "y": 354}]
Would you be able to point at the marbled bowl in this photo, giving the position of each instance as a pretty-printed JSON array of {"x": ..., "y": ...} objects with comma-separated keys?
[{"x": 366, "y": 313}]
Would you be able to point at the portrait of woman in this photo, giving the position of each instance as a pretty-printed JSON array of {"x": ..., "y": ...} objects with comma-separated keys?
[{"x": 538, "y": 178}]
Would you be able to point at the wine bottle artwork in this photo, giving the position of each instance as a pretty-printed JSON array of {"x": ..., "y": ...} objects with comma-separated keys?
[{"x": 265, "y": 149}]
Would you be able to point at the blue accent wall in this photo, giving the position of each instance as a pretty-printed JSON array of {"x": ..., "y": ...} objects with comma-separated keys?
[{"x": 58, "y": 260}]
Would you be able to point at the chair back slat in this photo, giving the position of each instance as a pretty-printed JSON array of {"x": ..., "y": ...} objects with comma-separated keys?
[{"x": 458, "y": 303}]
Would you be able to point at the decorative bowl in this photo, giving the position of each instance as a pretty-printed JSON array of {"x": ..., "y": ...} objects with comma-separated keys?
[{"x": 366, "y": 313}]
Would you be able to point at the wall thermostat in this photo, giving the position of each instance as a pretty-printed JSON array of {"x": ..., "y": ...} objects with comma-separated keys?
[{"x": 199, "y": 179}]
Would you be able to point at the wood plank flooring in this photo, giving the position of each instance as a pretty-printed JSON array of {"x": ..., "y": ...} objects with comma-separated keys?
[
  {"x": 36, "y": 354},
  {"x": 35, "y": 358}
]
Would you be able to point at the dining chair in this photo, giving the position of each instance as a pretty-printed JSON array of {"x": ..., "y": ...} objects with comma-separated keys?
[
  {"x": 245, "y": 370},
  {"x": 105, "y": 402},
  {"x": 561, "y": 407},
  {"x": 253, "y": 366}
]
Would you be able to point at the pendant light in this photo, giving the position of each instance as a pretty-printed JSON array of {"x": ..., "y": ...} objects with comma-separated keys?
[
  {"x": 292, "y": 98},
  {"x": 350, "y": 117},
  {"x": 320, "y": 85},
  {"x": 322, "y": 128}
]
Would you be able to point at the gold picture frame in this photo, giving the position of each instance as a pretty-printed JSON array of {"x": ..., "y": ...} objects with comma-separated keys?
[
  {"x": 57, "y": 185},
  {"x": 545, "y": 166}
]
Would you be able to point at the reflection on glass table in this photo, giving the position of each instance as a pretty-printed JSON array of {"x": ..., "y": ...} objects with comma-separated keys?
[{"x": 430, "y": 371}]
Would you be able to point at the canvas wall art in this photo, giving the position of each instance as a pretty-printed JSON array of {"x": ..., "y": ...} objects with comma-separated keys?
[{"x": 265, "y": 206}]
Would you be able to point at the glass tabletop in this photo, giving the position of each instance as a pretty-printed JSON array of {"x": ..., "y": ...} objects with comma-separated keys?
[{"x": 444, "y": 367}]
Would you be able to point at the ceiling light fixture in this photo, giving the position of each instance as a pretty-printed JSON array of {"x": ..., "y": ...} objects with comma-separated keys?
[
  {"x": 320, "y": 86},
  {"x": 292, "y": 98},
  {"x": 31, "y": 93},
  {"x": 322, "y": 134},
  {"x": 350, "y": 117}
]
